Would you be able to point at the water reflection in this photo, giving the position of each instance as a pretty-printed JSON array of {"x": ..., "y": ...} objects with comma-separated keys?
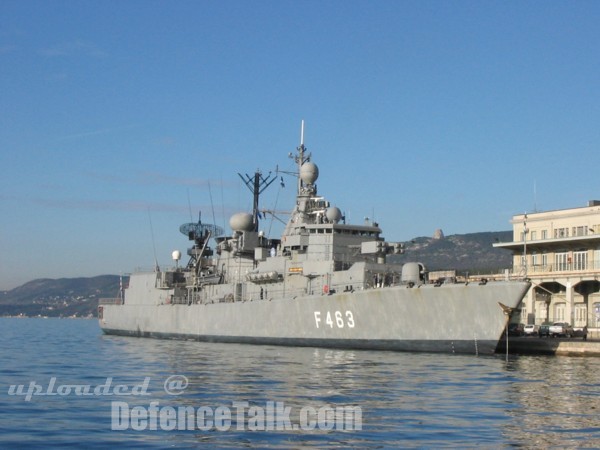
[
  {"x": 407, "y": 400},
  {"x": 559, "y": 401}
]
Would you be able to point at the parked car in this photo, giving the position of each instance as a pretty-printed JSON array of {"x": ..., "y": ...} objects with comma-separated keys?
[
  {"x": 531, "y": 329},
  {"x": 561, "y": 329},
  {"x": 544, "y": 330},
  {"x": 578, "y": 332},
  {"x": 516, "y": 329}
]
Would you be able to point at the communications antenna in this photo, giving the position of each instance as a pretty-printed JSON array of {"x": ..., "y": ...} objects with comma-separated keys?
[{"x": 257, "y": 184}]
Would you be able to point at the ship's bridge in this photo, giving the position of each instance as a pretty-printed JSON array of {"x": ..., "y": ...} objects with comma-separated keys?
[{"x": 335, "y": 242}]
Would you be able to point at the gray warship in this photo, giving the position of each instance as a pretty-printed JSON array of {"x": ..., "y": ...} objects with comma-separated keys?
[{"x": 323, "y": 283}]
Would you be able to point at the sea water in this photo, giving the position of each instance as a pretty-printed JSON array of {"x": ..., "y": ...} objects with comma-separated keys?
[{"x": 65, "y": 384}]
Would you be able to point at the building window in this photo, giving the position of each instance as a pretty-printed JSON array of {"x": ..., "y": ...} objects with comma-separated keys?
[
  {"x": 534, "y": 259},
  {"x": 544, "y": 259},
  {"x": 580, "y": 315},
  {"x": 580, "y": 260},
  {"x": 544, "y": 234},
  {"x": 580, "y": 231},
  {"x": 561, "y": 261},
  {"x": 561, "y": 233},
  {"x": 559, "y": 312},
  {"x": 533, "y": 235}
]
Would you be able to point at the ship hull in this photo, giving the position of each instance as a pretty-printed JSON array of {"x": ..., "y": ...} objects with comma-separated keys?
[{"x": 453, "y": 318}]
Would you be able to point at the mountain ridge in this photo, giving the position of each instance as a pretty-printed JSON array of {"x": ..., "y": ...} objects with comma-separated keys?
[
  {"x": 471, "y": 253},
  {"x": 60, "y": 297}
]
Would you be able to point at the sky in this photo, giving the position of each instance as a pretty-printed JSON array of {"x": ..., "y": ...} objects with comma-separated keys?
[{"x": 121, "y": 120}]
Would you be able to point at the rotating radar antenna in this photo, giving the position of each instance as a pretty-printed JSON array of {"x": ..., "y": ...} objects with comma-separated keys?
[{"x": 198, "y": 231}]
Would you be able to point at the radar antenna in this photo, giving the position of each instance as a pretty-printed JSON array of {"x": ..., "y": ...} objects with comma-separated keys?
[
  {"x": 197, "y": 231},
  {"x": 200, "y": 233}
]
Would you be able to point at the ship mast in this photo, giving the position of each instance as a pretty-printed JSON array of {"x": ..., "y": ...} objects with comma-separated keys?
[
  {"x": 300, "y": 158},
  {"x": 257, "y": 185}
]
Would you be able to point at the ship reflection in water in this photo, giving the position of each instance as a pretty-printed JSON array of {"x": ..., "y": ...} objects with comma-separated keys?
[{"x": 407, "y": 400}]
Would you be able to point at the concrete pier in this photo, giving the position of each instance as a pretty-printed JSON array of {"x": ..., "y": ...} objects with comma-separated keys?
[{"x": 550, "y": 346}]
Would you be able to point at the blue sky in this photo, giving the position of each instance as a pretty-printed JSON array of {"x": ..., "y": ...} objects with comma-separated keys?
[{"x": 121, "y": 119}]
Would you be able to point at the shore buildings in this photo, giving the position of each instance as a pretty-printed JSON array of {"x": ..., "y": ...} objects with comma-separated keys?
[{"x": 560, "y": 252}]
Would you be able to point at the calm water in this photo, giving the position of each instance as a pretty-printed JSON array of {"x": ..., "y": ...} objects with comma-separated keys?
[{"x": 407, "y": 400}]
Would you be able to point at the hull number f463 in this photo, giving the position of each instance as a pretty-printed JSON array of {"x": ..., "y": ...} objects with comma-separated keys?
[{"x": 337, "y": 319}]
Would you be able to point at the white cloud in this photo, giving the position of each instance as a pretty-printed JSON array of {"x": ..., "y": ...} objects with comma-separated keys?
[{"x": 74, "y": 48}]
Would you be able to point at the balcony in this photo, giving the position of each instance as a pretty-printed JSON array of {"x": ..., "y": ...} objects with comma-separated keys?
[
  {"x": 552, "y": 244},
  {"x": 578, "y": 268}
]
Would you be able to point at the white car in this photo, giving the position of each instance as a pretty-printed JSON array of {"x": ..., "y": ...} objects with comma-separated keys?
[{"x": 531, "y": 329}]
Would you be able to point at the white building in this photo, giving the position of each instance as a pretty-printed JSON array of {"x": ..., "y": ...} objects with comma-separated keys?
[{"x": 560, "y": 252}]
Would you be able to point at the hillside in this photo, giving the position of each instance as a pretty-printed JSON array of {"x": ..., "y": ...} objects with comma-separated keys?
[
  {"x": 64, "y": 297},
  {"x": 473, "y": 253},
  {"x": 78, "y": 297}
]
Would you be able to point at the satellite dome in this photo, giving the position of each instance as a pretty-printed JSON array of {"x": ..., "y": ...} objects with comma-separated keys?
[
  {"x": 241, "y": 222},
  {"x": 309, "y": 172},
  {"x": 176, "y": 255},
  {"x": 333, "y": 214}
]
